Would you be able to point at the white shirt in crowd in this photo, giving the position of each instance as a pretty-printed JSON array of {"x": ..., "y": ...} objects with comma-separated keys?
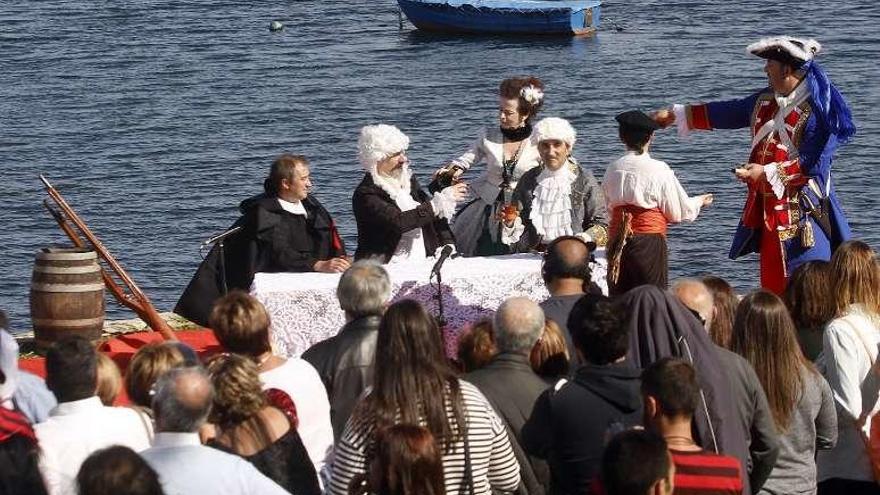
[
  {"x": 849, "y": 348},
  {"x": 639, "y": 180},
  {"x": 301, "y": 382},
  {"x": 76, "y": 429},
  {"x": 185, "y": 467}
]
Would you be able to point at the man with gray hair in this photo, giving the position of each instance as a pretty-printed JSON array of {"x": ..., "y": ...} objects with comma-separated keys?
[
  {"x": 181, "y": 406},
  {"x": 511, "y": 385},
  {"x": 753, "y": 410},
  {"x": 345, "y": 361}
]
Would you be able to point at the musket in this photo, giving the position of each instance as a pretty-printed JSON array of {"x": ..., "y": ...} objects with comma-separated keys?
[{"x": 134, "y": 299}]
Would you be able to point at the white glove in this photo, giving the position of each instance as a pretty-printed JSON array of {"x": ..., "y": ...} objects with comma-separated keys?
[{"x": 444, "y": 202}]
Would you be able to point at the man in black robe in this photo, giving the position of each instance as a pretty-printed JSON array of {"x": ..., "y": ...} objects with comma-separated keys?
[{"x": 286, "y": 229}]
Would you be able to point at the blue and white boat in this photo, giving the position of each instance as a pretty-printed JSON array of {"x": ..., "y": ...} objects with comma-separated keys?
[{"x": 578, "y": 17}]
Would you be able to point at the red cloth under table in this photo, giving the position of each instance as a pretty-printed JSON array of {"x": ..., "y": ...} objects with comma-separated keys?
[{"x": 122, "y": 348}]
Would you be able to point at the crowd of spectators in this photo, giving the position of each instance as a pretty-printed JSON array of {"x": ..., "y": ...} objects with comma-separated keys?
[{"x": 690, "y": 390}]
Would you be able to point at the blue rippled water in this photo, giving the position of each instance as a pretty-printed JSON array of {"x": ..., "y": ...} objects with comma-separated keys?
[{"x": 155, "y": 118}]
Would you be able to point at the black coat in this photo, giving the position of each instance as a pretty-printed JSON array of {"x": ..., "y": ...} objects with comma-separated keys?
[
  {"x": 272, "y": 240},
  {"x": 381, "y": 224},
  {"x": 511, "y": 386},
  {"x": 572, "y": 422},
  {"x": 346, "y": 365}
]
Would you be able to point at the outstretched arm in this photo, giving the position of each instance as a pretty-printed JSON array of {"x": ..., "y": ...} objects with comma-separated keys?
[{"x": 728, "y": 114}]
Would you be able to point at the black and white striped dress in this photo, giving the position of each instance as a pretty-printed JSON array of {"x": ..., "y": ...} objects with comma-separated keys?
[{"x": 492, "y": 461}]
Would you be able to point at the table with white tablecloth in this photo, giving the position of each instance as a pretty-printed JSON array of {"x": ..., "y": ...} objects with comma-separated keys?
[{"x": 304, "y": 309}]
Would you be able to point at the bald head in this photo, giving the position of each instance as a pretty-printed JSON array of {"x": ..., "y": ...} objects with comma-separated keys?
[
  {"x": 518, "y": 325},
  {"x": 695, "y": 295},
  {"x": 566, "y": 266},
  {"x": 183, "y": 400}
]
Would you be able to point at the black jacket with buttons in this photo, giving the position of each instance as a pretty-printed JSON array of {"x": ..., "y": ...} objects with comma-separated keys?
[{"x": 381, "y": 224}]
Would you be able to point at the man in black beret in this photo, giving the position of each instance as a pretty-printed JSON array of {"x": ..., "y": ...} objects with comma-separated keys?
[{"x": 643, "y": 196}]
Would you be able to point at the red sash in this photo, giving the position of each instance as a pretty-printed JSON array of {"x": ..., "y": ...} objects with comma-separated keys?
[{"x": 643, "y": 221}]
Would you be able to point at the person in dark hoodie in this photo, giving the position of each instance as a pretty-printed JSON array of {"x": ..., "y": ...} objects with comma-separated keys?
[
  {"x": 285, "y": 229},
  {"x": 572, "y": 421}
]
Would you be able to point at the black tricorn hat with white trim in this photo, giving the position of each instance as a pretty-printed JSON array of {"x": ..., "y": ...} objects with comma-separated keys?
[{"x": 786, "y": 49}]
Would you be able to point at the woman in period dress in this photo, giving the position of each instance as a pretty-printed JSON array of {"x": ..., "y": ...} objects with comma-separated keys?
[{"x": 508, "y": 153}]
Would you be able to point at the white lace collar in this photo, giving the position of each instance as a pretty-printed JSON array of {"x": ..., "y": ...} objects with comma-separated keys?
[{"x": 551, "y": 203}]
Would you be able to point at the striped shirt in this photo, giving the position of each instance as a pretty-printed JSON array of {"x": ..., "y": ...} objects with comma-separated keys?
[
  {"x": 493, "y": 464},
  {"x": 704, "y": 473}
]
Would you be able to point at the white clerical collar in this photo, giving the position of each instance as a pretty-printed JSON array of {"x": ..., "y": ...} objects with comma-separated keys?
[
  {"x": 175, "y": 439},
  {"x": 295, "y": 208}
]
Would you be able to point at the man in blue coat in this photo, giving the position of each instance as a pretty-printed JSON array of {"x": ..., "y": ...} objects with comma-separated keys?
[{"x": 791, "y": 214}]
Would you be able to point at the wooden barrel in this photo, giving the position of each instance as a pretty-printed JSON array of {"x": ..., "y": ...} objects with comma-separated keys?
[{"x": 67, "y": 295}]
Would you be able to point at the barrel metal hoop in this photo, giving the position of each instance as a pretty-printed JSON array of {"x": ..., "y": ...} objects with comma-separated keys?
[
  {"x": 67, "y": 256},
  {"x": 66, "y": 287},
  {"x": 67, "y": 269}
]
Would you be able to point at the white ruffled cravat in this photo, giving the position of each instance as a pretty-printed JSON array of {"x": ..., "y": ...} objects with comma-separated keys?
[{"x": 551, "y": 203}]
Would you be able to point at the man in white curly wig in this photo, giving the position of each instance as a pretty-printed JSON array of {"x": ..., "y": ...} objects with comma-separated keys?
[
  {"x": 396, "y": 219},
  {"x": 557, "y": 198},
  {"x": 791, "y": 214}
]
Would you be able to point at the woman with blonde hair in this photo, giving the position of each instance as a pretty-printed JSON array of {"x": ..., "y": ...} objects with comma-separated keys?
[
  {"x": 849, "y": 348},
  {"x": 246, "y": 425},
  {"x": 549, "y": 357},
  {"x": 109, "y": 380},
  {"x": 799, "y": 398},
  {"x": 148, "y": 364}
]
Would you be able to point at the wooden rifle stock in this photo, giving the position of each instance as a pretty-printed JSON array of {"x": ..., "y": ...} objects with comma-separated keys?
[{"x": 135, "y": 299}]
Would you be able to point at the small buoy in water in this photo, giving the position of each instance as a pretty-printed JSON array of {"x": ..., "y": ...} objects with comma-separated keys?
[{"x": 276, "y": 26}]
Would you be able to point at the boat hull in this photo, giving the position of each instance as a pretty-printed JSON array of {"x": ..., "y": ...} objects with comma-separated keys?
[{"x": 440, "y": 16}]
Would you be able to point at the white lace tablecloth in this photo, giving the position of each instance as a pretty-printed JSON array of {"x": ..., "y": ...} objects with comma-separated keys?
[{"x": 304, "y": 309}]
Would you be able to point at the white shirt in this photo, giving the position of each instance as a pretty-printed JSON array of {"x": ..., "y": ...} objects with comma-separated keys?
[
  {"x": 76, "y": 429},
  {"x": 300, "y": 380},
  {"x": 295, "y": 208},
  {"x": 186, "y": 467},
  {"x": 642, "y": 181},
  {"x": 849, "y": 346}
]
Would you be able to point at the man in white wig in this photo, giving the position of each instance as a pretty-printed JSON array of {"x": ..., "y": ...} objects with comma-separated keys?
[
  {"x": 396, "y": 219},
  {"x": 797, "y": 122},
  {"x": 556, "y": 198}
]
